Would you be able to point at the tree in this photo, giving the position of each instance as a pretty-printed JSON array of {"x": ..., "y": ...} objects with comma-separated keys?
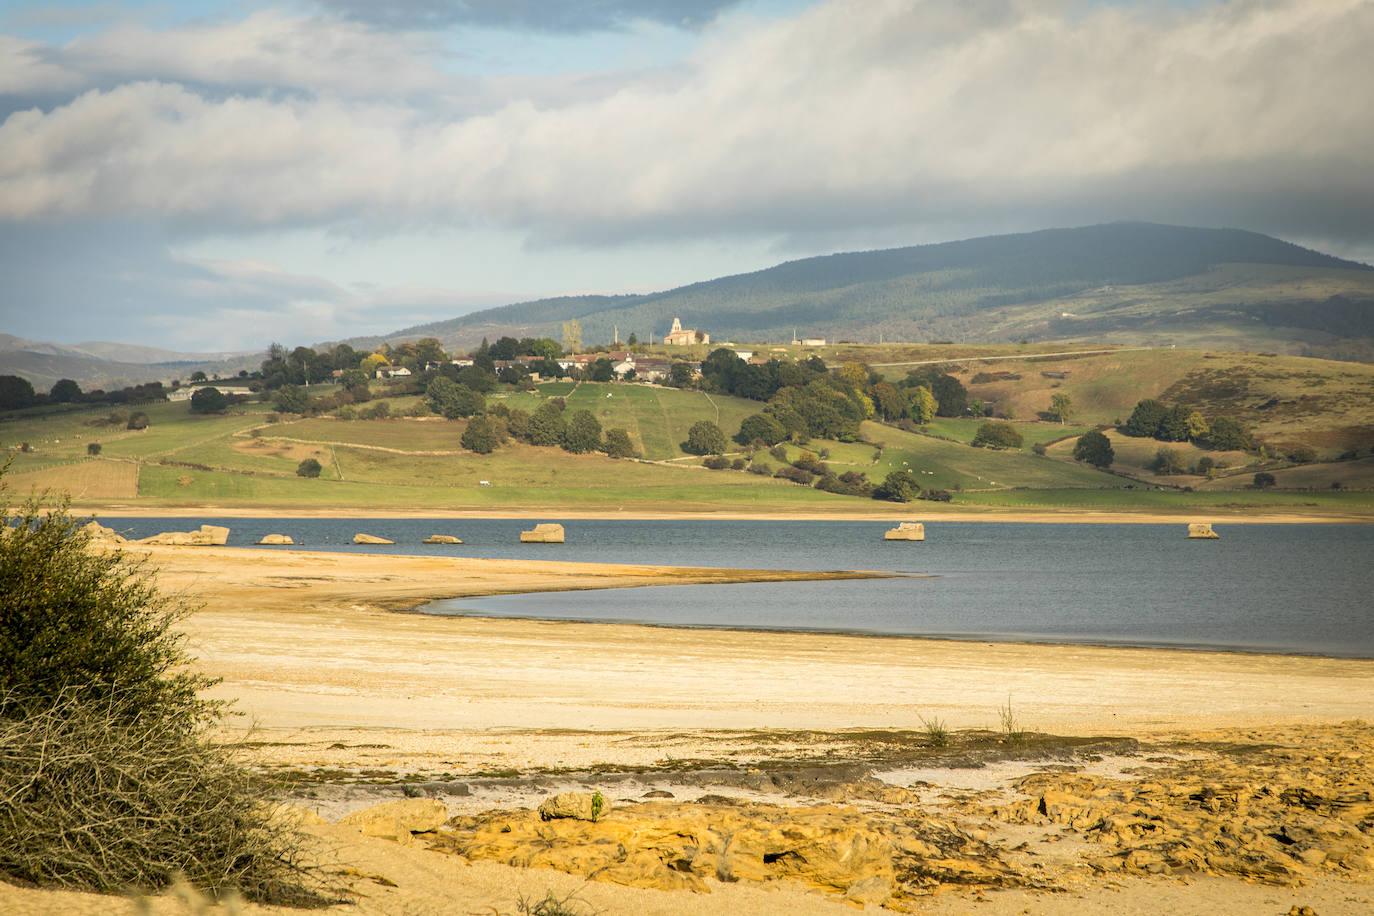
[
  {"x": 760, "y": 427},
  {"x": 1145, "y": 419},
  {"x": 618, "y": 444},
  {"x": 15, "y": 392},
  {"x": 208, "y": 400},
  {"x": 951, "y": 397},
  {"x": 1094, "y": 448},
  {"x": 681, "y": 375},
  {"x": 1061, "y": 407},
  {"x": 547, "y": 424},
  {"x": 722, "y": 369},
  {"x": 290, "y": 399},
  {"x": 137, "y": 420},
  {"x": 504, "y": 348},
  {"x": 370, "y": 363},
  {"x": 110, "y": 776},
  {"x": 1228, "y": 434},
  {"x": 479, "y": 436},
  {"x": 997, "y": 434},
  {"x": 451, "y": 400},
  {"x": 478, "y": 379},
  {"x": 1264, "y": 480},
  {"x": 704, "y": 438},
  {"x": 309, "y": 468},
  {"x": 354, "y": 381},
  {"x": 887, "y": 401},
  {"x": 1197, "y": 426},
  {"x": 1174, "y": 426},
  {"x": 583, "y": 433},
  {"x": 572, "y": 336},
  {"x": 64, "y": 391},
  {"x": 920, "y": 404},
  {"x": 602, "y": 370},
  {"x": 1168, "y": 461},
  {"x": 898, "y": 487},
  {"x": 93, "y": 448}
]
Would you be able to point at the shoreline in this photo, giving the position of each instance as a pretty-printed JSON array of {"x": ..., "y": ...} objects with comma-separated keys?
[{"x": 891, "y": 513}]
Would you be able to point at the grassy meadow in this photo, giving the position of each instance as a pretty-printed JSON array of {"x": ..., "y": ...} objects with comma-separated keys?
[{"x": 247, "y": 458}]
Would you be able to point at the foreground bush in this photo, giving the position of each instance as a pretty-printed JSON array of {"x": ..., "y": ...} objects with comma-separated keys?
[{"x": 108, "y": 778}]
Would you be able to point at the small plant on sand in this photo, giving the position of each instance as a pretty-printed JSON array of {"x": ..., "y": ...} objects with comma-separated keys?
[
  {"x": 936, "y": 731},
  {"x": 109, "y": 779},
  {"x": 1012, "y": 732},
  {"x": 598, "y": 804},
  {"x": 553, "y": 905}
]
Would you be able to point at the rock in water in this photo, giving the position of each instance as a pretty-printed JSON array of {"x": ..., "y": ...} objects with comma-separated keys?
[
  {"x": 207, "y": 536},
  {"x": 582, "y": 806},
  {"x": 442, "y": 539},
  {"x": 370, "y": 539},
  {"x": 276, "y": 539},
  {"x": 907, "y": 531},
  {"x": 99, "y": 534},
  {"x": 1202, "y": 531},
  {"x": 543, "y": 533}
]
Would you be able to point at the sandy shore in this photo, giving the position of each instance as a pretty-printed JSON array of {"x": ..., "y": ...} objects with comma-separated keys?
[{"x": 315, "y": 653}]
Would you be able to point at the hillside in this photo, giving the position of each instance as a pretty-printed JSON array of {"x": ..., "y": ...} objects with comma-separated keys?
[
  {"x": 102, "y": 364},
  {"x": 1121, "y": 282},
  {"x": 246, "y": 460}
]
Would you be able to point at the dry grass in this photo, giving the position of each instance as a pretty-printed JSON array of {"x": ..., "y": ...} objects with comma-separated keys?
[
  {"x": 95, "y": 479},
  {"x": 91, "y": 800}
]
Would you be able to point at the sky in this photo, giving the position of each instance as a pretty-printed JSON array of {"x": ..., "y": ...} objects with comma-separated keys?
[{"x": 209, "y": 176}]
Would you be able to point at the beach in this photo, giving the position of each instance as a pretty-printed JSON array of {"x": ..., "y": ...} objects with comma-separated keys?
[{"x": 333, "y": 671}]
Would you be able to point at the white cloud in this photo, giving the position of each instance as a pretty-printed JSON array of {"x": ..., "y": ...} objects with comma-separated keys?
[{"x": 856, "y": 113}]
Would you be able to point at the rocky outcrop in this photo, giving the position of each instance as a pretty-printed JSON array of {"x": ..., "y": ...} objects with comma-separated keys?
[
  {"x": 906, "y": 531},
  {"x": 862, "y": 856},
  {"x": 276, "y": 540},
  {"x": 399, "y": 820},
  {"x": 207, "y": 536},
  {"x": 1202, "y": 531},
  {"x": 1268, "y": 814},
  {"x": 581, "y": 806},
  {"x": 99, "y": 534},
  {"x": 543, "y": 533},
  {"x": 442, "y": 539},
  {"x": 370, "y": 539}
]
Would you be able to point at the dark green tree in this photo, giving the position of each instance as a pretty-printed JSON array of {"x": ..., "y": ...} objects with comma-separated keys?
[
  {"x": 601, "y": 370},
  {"x": 618, "y": 444},
  {"x": 704, "y": 438},
  {"x": 290, "y": 399},
  {"x": 1228, "y": 434},
  {"x": 15, "y": 392},
  {"x": 137, "y": 420},
  {"x": 950, "y": 394},
  {"x": 1094, "y": 448},
  {"x": 64, "y": 391},
  {"x": 547, "y": 424},
  {"x": 1174, "y": 425},
  {"x": 681, "y": 375},
  {"x": 1145, "y": 419},
  {"x": 479, "y": 436},
  {"x": 760, "y": 427},
  {"x": 1264, "y": 480},
  {"x": 451, "y": 400},
  {"x": 898, "y": 487},
  {"x": 477, "y": 378},
  {"x": 309, "y": 468},
  {"x": 209, "y": 400},
  {"x": 583, "y": 433},
  {"x": 997, "y": 434}
]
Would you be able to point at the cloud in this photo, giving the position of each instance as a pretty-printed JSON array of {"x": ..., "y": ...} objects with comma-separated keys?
[
  {"x": 536, "y": 15},
  {"x": 265, "y": 50},
  {"x": 856, "y": 114}
]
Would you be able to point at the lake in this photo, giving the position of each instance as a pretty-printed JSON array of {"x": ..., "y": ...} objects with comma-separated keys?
[{"x": 1300, "y": 589}]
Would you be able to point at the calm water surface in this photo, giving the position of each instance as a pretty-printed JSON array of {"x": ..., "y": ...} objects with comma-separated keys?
[{"x": 1269, "y": 588}]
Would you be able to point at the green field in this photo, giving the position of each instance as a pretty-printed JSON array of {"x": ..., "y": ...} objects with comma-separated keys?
[{"x": 247, "y": 459}]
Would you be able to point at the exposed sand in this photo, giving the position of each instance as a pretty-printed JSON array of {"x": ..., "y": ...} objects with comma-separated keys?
[{"x": 312, "y": 650}]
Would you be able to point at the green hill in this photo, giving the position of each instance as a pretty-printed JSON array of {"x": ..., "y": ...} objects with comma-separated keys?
[{"x": 1123, "y": 282}]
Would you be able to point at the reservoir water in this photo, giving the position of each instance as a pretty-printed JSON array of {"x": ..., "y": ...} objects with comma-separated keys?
[{"x": 1301, "y": 589}]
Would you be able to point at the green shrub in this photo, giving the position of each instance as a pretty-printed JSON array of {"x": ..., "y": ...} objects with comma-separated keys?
[
  {"x": 309, "y": 468},
  {"x": 996, "y": 434},
  {"x": 109, "y": 778}
]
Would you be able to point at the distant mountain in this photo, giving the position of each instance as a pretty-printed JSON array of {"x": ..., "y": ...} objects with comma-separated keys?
[
  {"x": 1124, "y": 282},
  {"x": 110, "y": 366}
]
